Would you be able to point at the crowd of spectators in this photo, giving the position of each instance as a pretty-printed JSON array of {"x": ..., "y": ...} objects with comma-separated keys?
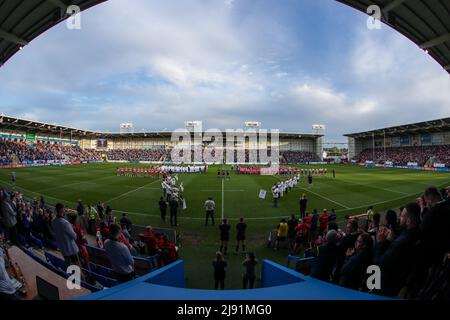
[
  {"x": 293, "y": 157},
  {"x": 411, "y": 247},
  {"x": 23, "y": 220},
  {"x": 138, "y": 154},
  {"x": 402, "y": 155},
  {"x": 21, "y": 151}
]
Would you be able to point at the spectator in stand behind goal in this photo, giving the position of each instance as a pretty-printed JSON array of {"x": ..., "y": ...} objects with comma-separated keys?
[{"x": 118, "y": 253}]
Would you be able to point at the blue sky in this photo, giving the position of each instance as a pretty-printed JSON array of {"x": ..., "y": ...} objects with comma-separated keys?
[{"x": 288, "y": 64}]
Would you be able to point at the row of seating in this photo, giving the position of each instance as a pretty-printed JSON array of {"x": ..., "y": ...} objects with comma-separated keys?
[{"x": 56, "y": 270}]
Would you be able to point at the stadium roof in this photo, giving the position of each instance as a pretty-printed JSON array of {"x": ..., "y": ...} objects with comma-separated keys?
[
  {"x": 439, "y": 125},
  {"x": 31, "y": 126},
  {"x": 425, "y": 22},
  {"x": 23, "y": 20}
]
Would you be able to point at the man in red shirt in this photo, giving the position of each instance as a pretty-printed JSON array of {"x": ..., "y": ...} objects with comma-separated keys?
[
  {"x": 150, "y": 241},
  {"x": 301, "y": 235},
  {"x": 323, "y": 221}
]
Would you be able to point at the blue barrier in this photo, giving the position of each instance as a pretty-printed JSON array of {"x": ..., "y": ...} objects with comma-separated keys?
[{"x": 281, "y": 284}]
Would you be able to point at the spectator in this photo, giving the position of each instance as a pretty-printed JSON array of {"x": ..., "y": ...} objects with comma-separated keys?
[
  {"x": 292, "y": 223},
  {"x": 358, "y": 259},
  {"x": 151, "y": 242},
  {"x": 282, "y": 232},
  {"x": 9, "y": 287},
  {"x": 219, "y": 265},
  {"x": 391, "y": 222},
  {"x": 344, "y": 245},
  {"x": 9, "y": 218},
  {"x": 370, "y": 214},
  {"x": 65, "y": 237},
  {"x": 395, "y": 257},
  {"x": 249, "y": 276},
  {"x": 333, "y": 215},
  {"x": 374, "y": 224},
  {"x": 323, "y": 265},
  {"x": 313, "y": 226},
  {"x": 81, "y": 240},
  {"x": 301, "y": 236},
  {"x": 121, "y": 260},
  {"x": 323, "y": 221},
  {"x": 126, "y": 225}
]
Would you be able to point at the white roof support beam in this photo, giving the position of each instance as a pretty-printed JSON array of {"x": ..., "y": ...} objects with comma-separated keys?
[
  {"x": 12, "y": 38},
  {"x": 436, "y": 41}
]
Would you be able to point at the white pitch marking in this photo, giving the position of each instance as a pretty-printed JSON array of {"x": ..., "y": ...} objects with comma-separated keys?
[{"x": 127, "y": 193}]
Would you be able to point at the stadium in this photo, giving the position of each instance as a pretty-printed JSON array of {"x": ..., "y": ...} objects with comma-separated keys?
[{"x": 180, "y": 203}]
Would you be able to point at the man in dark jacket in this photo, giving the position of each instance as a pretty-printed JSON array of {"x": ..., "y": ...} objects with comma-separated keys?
[
  {"x": 396, "y": 258},
  {"x": 303, "y": 205},
  {"x": 358, "y": 259},
  {"x": 173, "y": 205},
  {"x": 347, "y": 242},
  {"x": 162, "y": 208},
  {"x": 435, "y": 237},
  {"x": 322, "y": 266}
]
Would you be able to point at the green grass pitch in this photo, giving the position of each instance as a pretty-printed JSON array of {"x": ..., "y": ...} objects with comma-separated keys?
[{"x": 351, "y": 192}]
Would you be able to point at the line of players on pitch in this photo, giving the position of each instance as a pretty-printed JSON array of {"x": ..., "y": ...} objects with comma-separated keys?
[{"x": 281, "y": 188}]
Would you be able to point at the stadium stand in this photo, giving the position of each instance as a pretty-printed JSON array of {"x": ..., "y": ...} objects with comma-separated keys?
[
  {"x": 402, "y": 155},
  {"x": 423, "y": 144},
  {"x": 21, "y": 152}
]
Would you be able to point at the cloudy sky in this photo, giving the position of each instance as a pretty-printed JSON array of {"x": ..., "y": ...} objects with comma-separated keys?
[{"x": 288, "y": 64}]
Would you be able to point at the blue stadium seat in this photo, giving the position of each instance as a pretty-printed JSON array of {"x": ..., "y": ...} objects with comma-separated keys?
[
  {"x": 101, "y": 270},
  {"x": 47, "y": 242},
  {"x": 104, "y": 281},
  {"x": 55, "y": 261},
  {"x": 91, "y": 288},
  {"x": 22, "y": 239},
  {"x": 37, "y": 242}
]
